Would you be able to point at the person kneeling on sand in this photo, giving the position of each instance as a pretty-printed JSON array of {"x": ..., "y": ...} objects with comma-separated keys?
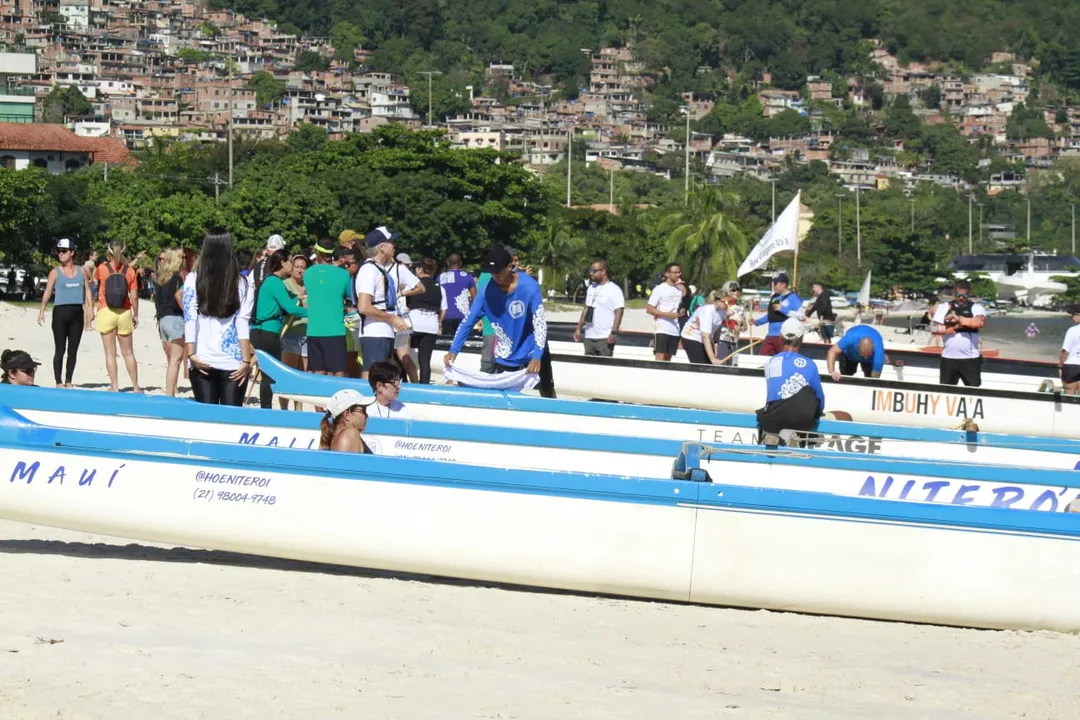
[
  {"x": 345, "y": 419},
  {"x": 19, "y": 368},
  {"x": 385, "y": 379}
]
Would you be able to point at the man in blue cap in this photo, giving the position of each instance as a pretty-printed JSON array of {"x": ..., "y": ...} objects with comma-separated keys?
[
  {"x": 783, "y": 304},
  {"x": 376, "y": 299}
]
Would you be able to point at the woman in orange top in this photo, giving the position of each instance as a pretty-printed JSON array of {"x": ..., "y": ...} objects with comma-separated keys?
[{"x": 117, "y": 314}]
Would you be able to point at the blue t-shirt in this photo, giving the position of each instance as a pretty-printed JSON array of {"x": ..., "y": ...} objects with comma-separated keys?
[
  {"x": 849, "y": 345},
  {"x": 456, "y": 283},
  {"x": 788, "y": 306},
  {"x": 789, "y": 372},
  {"x": 517, "y": 321}
]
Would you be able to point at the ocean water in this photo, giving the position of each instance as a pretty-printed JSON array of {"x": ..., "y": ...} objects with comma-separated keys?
[{"x": 1006, "y": 333}]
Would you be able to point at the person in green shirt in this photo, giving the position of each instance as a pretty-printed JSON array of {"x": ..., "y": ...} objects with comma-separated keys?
[
  {"x": 327, "y": 292},
  {"x": 273, "y": 305}
]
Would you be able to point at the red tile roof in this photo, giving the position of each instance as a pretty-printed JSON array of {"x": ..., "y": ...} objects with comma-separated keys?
[
  {"x": 40, "y": 136},
  {"x": 110, "y": 150}
]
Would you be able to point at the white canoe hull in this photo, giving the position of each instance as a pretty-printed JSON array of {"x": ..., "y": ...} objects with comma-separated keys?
[{"x": 690, "y": 549}]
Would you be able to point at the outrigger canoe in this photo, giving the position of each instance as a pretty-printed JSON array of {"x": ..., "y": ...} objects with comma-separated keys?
[
  {"x": 738, "y": 390},
  {"x": 888, "y": 469},
  {"x": 695, "y": 536}
]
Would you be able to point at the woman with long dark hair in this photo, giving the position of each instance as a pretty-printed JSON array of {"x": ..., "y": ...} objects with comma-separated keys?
[
  {"x": 217, "y": 316},
  {"x": 273, "y": 306},
  {"x": 71, "y": 309},
  {"x": 426, "y": 310}
]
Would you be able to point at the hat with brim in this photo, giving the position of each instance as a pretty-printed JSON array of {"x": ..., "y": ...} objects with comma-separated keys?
[
  {"x": 343, "y": 400},
  {"x": 792, "y": 329},
  {"x": 275, "y": 242},
  {"x": 20, "y": 360},
  {"x": 404, "y": 259},
  {"x": 496, "y": 260},
  {"x": 65, "y": 244},
  {"x": 380, "y": 235}
]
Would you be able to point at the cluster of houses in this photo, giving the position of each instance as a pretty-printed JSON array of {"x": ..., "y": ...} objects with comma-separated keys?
[{"x": 175, "y": 70}]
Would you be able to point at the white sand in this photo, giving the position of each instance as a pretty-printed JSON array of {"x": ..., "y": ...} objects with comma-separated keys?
[{"x": 158, "y": 633}]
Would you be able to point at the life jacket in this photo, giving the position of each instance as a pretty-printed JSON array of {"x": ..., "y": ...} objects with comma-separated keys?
[
  {"x": 775, "y": 316},
  {"x": 963, "y": 310},
  {"x": 430, "y": 299}
]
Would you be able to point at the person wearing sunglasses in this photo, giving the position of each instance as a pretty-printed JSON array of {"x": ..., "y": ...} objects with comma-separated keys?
[
  {"x": 385, "y": 380},
  {"x": 958, "y": 323},
  {"x": 602, "y": 314},
  {"x": 72, "y": 311},
  {"x": 19, "y": 368}
]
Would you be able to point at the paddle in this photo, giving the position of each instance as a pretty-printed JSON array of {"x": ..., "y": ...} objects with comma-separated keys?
[{"x": 751, "y": 344}]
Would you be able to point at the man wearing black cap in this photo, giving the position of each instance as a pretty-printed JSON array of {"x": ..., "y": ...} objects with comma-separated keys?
[
  {"x": 784, "y": 303},
  {"x": 513, "y": 304}
]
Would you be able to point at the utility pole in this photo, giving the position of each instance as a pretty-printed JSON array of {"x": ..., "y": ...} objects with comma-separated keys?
[
  {"x": 912, "y": 201},
  {"x": 217, "y": 185},
  {"x": 1073, "y": 207},
  {"x": 1029, "y": 222},
  {"x": 840, "y": 224},
  {"x": 858, "y": 229},
  {"x": 429, "y": 73},
  {"x": 229, "y": 60},
  {"x": 611, "y": 189},
  {"x": 686, "y": 196},
  {"x": 970, "y": 199},
  {"x": 980, "y": 224},
  {"x": 772, "y": 181},
  {"x": 569, "y": 161}
]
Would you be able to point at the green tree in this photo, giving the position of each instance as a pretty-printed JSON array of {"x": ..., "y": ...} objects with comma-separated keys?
[
  {"x": 65, "y": 102},
  {"x": 24, "y": 198},
  {"x": 346, "y": 37},
  {"x": 705, "y": 238},
  {"x": 307, "y": 138},
  {"x": 268, "y": 89},
  {"x": 931, "y": 97},
  {"x": 310, "y": 61},
  {"x": 191, "y": 55},
  {"x": 556, "y": 249}
]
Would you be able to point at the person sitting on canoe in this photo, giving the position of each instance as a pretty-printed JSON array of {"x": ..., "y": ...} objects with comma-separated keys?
[
  {"x": 795, "y": 399},
  {"x": 861, "y": 346},
  {"x": 385, "y": 379},
  {"x": 345, "y": 419},
  {"x": 19, "y": 368}
]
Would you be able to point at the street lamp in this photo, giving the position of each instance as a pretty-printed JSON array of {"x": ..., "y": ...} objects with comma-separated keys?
[
  {"x": 686, "y": 191},
  {"x": 429, "y": 74},
  {"x": 858, "y": 229},
  {"x": 840, "y": 224}
]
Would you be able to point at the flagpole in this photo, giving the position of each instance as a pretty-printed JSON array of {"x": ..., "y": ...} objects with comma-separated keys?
[{"x": 795, "y": 271}]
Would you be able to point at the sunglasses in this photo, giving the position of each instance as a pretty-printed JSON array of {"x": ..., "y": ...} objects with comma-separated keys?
[
  {"x": 593, "y": 271},
  {"x": 31, "y": 372}
]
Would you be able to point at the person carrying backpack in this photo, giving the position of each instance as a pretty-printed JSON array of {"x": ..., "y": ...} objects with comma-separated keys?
[{"x": 117, "y": 313}]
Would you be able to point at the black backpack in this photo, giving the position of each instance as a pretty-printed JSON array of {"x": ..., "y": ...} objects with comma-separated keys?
[{"x": 116, "y": 288}]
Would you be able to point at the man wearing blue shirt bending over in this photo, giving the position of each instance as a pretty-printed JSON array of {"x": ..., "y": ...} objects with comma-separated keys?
[
  {"x": 783, "y": 304},
  {"x": 795, "y": 399},
  {"x": 513, "y": 304},
  {"x": 862, "y": 346}
]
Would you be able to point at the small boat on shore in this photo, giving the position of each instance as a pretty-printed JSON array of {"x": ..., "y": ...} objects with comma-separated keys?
[{"x": 698, "y": 536}]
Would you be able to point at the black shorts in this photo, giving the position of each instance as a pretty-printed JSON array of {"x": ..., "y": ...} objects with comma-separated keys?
[
  {"x": 848, "y": 367},
  {"x": 953, "y": 370},
  {"x": 695, "y": 352},
  {"x": 666, "y": 344},
  {"x": 327, "y": 354},
  {"x": 1070, "y": 374},
  {"x": 827, "y": 329}
]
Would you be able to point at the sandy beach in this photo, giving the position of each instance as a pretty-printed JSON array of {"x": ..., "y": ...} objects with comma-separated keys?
[{"x": 100, "y": 628}]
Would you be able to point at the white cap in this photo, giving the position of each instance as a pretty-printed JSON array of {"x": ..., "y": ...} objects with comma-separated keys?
[
  {"x": 792, "y": 329},
  {"x": 404, "y": 259},
  {"x": 65, "y": 244},
  {"x": 275, "y": 242},
  {"x": 342, "y": 400}
]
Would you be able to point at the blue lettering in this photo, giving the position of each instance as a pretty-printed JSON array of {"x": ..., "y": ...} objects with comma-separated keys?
[
  {"x": 934, "y": 488},
  {"x": 1000, "y": 499},
  {"x": 58, "y": 474},
  {"x": 24, "y": 472},
  {"x": 273, "y": 442},
  {"x": 251, "y": 439},
  {"x": 113, "y": 476},
  {"x": 869, "y": 487},
  {"x": 886, "y": 485},
  {"x": 907, "y": 489},
  {"x": 1049, "y": 496},
  {"x": 87, "y": 476},
  {"x": 962, "y": 496}
]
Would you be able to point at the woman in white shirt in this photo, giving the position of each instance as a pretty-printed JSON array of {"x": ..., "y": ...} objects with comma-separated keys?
[
  {"x": 697, "y": 334},
  {"x": 1069, "y": 364},
  {"x": 217, "y": 316}
]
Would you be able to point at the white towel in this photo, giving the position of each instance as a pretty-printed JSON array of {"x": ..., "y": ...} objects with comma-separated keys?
[{"x": 518, "y": 380}]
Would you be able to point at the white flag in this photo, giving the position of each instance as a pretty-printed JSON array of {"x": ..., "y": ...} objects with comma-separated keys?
[{"x": 782, "y": 235}]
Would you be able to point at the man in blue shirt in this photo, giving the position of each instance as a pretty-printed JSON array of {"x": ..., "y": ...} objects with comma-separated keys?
[
  {"x": 795, "y": 399},
  {"x": 783, "y": 304},
  {"x": 862, "y": 346},
  {"x": 513, "y": 304}
]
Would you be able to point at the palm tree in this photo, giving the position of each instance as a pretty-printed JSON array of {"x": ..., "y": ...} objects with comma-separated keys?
[
  {"x": 705, "y": 238},
  {"x": 557, "y": 248}
]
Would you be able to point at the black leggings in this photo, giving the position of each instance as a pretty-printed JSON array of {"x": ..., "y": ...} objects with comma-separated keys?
[
  {"x": 215, "y": 388},
  {"x": 270, "y": 343},
  {"x": 67, "y": 330},
  {"x": 425, "y": 345},
  {"x": 547, "y": 377}
]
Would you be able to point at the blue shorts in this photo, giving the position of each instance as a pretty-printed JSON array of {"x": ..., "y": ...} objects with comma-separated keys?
[
  {"x": 171, "y": 328},
  {"x": 294, "y": 344},
  {"x": 374, "y": 349}
]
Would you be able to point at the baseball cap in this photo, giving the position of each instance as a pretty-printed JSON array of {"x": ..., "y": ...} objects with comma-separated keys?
[
  {"x": 513, "y": 251},
  {"x": 275, "y": 242},
  {"x": 404, "y": 259},
  {"x": 20, "y": 360},
  {"x": 380, "y": 235},
  {"x": 496, "y": 260},
  {"x": 730, "y": 287},
  {"x": 792, "y": 329},
  {"x": 65, "y": 244},
  {"x": 348, "y": 236},
  {"x": 342, "y": 400},
  {"x": 781, "y": 277}
]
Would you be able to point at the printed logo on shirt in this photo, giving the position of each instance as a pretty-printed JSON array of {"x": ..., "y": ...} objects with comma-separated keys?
[
  {"x": 517, "y": 309},
  {"x": 800, "y": 362}
]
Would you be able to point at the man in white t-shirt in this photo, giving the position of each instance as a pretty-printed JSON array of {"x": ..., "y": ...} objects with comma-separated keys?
[
  {"x": 376, "y": 299},
  {"x": 958, "y": 323},
  {"x": 664, "y": 305},
  {"x": 603, "y": 313},
  {"x": 1069, "y": 364}
]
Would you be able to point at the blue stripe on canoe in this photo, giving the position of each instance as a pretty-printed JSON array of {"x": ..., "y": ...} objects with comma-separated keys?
[
  {"x": 294, "y": 382},
  {"x": 17, "y": 433},
  {"x": 174, "y": 409}
]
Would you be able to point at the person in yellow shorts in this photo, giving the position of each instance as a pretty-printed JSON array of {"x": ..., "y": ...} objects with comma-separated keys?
[{"x": 117, "y": 314}]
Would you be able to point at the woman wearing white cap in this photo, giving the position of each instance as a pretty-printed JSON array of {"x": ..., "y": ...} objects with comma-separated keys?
[
  {"x": 72, "y": 309},
  {"x": 345, "y": 419}
]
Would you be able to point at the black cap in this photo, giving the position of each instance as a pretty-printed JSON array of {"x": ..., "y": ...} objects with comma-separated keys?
[
  {"x": 496, "y": 260},
  {"x": 19, "y": 360},
  {"x": 781, "y": 277}
]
